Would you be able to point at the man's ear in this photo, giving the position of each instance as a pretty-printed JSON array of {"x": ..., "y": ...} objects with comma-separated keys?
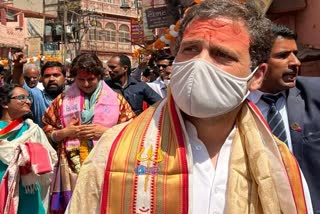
[
  {"x": 4, "y": 107},
  {"x": 257, "y": 79},
  {"x": 125, "y": 68}
]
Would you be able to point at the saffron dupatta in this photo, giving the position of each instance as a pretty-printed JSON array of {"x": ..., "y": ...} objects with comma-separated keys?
[
  {"x": 148, "y": 165},
  {"x": 106, "y": 113},
  {"x": 106, "y": 109}
]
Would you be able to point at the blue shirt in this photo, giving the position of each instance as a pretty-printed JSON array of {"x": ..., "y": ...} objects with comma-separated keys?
[
  {"x": 41, "y": 101},
  {"x": 135, "y": 93}
]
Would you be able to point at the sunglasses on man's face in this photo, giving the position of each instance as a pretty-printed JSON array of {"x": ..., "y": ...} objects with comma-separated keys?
[
  {"x": 162, "y": 65},
  {"x": 22, "y": 97}
]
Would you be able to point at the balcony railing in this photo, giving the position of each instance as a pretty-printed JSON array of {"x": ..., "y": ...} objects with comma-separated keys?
[
  {"x": 106, "y": 46},
  {"x": 108, "y": 8}
]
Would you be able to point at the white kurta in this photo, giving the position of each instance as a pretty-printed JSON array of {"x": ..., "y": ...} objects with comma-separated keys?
[{"x": 209, "y": 183}]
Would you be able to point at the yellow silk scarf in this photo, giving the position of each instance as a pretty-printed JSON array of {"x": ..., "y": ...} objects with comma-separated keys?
[
  {"x": 263, "y": 173},
  {"x": 147, "y": 167}
]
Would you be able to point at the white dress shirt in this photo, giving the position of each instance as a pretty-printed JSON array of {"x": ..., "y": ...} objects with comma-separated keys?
[
  {"x": 159, "y": 87},
  {"x": 264, "y": 107},
  {"x": 209, "y": 183}
]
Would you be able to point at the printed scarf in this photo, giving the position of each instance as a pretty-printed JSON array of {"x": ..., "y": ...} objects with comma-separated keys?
[
  {"x": 30, "y": 160},
  {"x": 149, "y": 164},
  {"x": 11, "y": 129},
  {"x": 104, "y": 107}
]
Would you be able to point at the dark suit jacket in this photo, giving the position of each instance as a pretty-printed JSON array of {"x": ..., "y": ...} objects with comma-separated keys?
[{"x": 303, "y": 106}]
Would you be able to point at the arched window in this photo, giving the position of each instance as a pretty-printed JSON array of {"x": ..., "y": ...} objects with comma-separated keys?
[
  {"x": 124, "y": 34},
  {"x": 110, "y": 32}
]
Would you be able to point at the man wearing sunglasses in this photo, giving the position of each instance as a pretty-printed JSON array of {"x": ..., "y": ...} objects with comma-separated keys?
[
  {"x": 164, "y": 64},
  {"x": 135, "y": 92}
]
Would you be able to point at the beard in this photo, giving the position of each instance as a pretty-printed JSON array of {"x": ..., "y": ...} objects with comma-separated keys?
[{"x": 54, "y": 92}]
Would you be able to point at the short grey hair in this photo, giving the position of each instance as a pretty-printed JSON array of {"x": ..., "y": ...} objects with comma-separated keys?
[
  {"x": 28, "y": 66},
  {"x": 259, "y": 27}
]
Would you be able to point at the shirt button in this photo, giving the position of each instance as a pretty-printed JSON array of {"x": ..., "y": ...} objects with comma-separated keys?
[{"x": 198, "y": 147}]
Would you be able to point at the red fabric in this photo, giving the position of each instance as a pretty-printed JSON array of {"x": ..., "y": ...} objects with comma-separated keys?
[
  {"x": 29, "y": 158},
  {"x": 144, "y": 105},
  {"x": 39, "y": 158}
]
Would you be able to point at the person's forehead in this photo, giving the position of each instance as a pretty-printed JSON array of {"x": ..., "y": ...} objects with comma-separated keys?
[
  {"x": 32, "y": 71},
  {"x": 53, "y": 70},
  {"x": 114, "y": 60},
  {"x": 163, "y": 61},
  {"x": 284, "y": 43},
  {"x": 219, "y": 31},
  {"x": 85, "y": 75},
  {"x": 19, "y": 90}
]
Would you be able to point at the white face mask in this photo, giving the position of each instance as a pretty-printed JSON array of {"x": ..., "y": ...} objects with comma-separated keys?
[{"x": 203, "y": 90}]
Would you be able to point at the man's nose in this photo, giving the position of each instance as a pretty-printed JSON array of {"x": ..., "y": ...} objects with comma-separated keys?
[
  {"x": 294, "y": 60},
  {"x": 52, "y": 78}
]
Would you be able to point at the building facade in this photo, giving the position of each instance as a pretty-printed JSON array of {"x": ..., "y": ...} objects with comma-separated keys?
[{"x": 99, "y": 26}]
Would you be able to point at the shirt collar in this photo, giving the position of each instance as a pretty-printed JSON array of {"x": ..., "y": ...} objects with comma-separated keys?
[{"x": 255, "y": 96}]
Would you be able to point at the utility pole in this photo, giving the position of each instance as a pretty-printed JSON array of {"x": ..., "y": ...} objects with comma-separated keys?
[{"x": 65, "y": 22}]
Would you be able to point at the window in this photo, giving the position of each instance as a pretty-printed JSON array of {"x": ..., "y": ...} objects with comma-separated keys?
[
  {"x": 109, "y": 1},
  {"x": 110, "y": 32},
  {"x": 103, "y": 35},
  {"x": 124, "y": 34},
  {"x": 92, "y": 34}
]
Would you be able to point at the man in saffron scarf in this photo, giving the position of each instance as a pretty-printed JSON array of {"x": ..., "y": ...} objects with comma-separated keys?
[
  {"x": 77, "y": 118},
  {"x": 26, "y": 157},
  {"x": 204, "y": 148}
]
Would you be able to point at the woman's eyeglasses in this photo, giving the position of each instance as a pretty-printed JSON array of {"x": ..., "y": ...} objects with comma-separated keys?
[{"x": 23, "y": 97}]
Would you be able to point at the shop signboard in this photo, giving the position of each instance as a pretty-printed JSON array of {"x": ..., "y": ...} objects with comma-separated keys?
[
  {"x": 137, "y": 31},
  {"x": 157, "y": 17}
]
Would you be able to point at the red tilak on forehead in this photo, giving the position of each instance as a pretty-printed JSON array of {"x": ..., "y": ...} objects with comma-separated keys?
[
  {"x": 85, "y": 75},
  {"x": 52, "y": 70},
  {"x": 218, "y": 30}
]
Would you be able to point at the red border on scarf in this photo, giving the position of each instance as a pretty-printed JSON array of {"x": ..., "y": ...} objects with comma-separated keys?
[
  {"x": 261, "y": 117},
  {"x": 11, "y": 126},
  {"x": 105, "y": 187},
  {"x": 183, "y": 155}
]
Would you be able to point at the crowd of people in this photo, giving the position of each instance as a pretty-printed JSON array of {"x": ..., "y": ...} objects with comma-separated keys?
[{"x": 224, "y": 125}]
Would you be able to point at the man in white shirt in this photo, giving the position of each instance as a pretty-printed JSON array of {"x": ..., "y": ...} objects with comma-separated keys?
[
  {"x": 164, "y": 64},
  {"x": 204, "y": 148}
]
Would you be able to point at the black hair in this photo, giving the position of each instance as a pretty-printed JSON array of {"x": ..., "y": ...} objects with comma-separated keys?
[
  {"x": 283, "y": 31},
  {"x": 165, "y": 57},
  {"x": 6, "y": 94},
  {"x": 124, "y": 61},
  {"x": 52, "y": 64},
  {"x": 88, "y": 62}
]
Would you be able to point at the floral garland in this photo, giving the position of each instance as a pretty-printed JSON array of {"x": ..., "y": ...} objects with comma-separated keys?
[
  {"x": 169, "y": 35},
  {"x": 34, "y": 59}
]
